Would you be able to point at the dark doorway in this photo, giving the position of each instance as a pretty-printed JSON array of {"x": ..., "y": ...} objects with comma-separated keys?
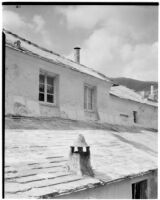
[{"x": 139, "y": 190}]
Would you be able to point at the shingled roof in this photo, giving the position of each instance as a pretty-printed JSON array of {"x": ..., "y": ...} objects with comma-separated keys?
[
  {"x": 35, "y": 162},
  {"x": 35, "y": 50}
]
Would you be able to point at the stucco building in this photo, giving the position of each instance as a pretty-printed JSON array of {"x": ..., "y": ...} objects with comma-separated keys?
[
  {"x": 40, "y": 82},
  {"x": 131, "y": 109}
]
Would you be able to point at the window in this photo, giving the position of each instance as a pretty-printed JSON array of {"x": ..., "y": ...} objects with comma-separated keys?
[
  {"x": 46, "y": 88},
  {"x": 139, "y": 190},
  {"x": 135, "y": 116},
  {"x": 89, "y": 98}
]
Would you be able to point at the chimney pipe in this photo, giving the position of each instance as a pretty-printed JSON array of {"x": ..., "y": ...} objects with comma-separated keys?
[
  {"x": 143, "y": 94},
  {"x": 151, "y": 95},
  {"x": 79, "y": 158},
  {"x": 77, "y": 54},
  {"x": 152, "y": 88}
]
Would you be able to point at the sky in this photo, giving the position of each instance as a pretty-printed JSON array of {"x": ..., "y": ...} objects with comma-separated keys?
[{"x": 118, "y": 41}]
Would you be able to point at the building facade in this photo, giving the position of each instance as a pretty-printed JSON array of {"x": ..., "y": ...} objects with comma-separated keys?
[
  {"x": 39, "y": 82},
  {"x": 129, "y": 108}
]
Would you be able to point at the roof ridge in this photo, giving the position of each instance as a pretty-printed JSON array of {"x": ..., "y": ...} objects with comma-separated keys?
[
  {"x": 52, "y": 52},
  {"x": 31, "y": 43}
]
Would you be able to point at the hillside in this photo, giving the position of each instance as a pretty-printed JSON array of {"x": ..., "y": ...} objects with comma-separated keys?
[{"x": 135, "y": 84}]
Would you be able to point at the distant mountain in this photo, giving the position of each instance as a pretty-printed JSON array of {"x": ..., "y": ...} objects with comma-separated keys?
[{"x": 135, "y": 84}]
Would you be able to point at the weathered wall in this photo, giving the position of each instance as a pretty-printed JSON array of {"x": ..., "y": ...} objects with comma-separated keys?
[
  {"x": 22, "y": 90},
  {"x": 117, "y": 190},
  {"x": 146, "y": 115}
]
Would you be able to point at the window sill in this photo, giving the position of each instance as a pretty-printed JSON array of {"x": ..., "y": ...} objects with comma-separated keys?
[
  {"x": 89, "y": 111},
  {"x": 48, "y": 104}
]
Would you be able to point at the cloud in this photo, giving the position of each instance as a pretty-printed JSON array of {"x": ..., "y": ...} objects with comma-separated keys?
[
  {"x": 33, "y": 30},
  {"x": 143, "y": 64},
  {"x": 13, "y": 20},
  {"x": 39, "y": 22},
  {"x": 117, "y": 47},
  {"x": 118, "y": 40},
  {"x": 143, "y": 20},
  {"x": 115, "y": 56},
  {"x": 76, "y": 16}
]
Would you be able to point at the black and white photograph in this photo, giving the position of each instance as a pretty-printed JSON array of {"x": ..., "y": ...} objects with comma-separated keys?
[{"x": 80, "y": 100}]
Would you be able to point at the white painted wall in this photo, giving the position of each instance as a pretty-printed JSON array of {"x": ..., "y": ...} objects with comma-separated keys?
[
  {"x": 147, "y": 115},
  {"x": 22, "y": 90},
  {"x": 117, "y": 190}
]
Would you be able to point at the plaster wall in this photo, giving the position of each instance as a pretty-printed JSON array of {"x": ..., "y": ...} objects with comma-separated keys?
[
  {"x": 118, "y": 190},
  {"x": 147, "y": 115},
  {"x": 22, "y": 91}
]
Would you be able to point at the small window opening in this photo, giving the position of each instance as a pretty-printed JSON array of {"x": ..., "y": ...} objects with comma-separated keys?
[
  {"x": 139, "y": 190},
  {"x": 135, "y": 116}
]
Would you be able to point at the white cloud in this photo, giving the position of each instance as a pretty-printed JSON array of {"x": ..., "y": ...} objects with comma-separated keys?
[
  {"x": 13, "y": 20},
  {"x": 33, "y": 30},
  {"x": 113, "y": 55},
  {"x": 117, "y": 44},
  {"x": 39, "y": 22},
  {"x": 116, "y": 47},
  {"x": 144, "y": 62},
  {"x": 84, "y": 16}
]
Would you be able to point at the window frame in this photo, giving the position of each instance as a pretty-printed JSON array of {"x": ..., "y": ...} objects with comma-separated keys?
[
  {"x": 47, "y": 74},
  {"x": 93, "y": 95}
]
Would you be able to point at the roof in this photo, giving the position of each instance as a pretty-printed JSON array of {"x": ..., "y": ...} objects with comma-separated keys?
[
  {"x": 35, "y": 50},
  {"x": 35, "y": 160},
  {"x": 126, "y": 93}
]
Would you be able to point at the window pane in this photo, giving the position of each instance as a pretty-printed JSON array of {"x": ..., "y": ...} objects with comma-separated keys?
[
  {"x": 89, "y": 106},
  {"x": 85, "y": 97},
  {"x": 50, "y": 98},
  {"x": 50, "y": 89},
  {"x": 41, "y": 87},
  {"x": 41, "y": 97},
  {"x": 89, "y": 99},
  {"x": 50, "y": 80},
  {"x": 41, "y": 78}
]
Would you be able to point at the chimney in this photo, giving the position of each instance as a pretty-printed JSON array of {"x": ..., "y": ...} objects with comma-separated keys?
[
  {"x": 152, "y": 90},
  {"x": 79, "y": 158},
  {"x": 151, "y": 96},
  {"x": 77, "y": 54}
]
